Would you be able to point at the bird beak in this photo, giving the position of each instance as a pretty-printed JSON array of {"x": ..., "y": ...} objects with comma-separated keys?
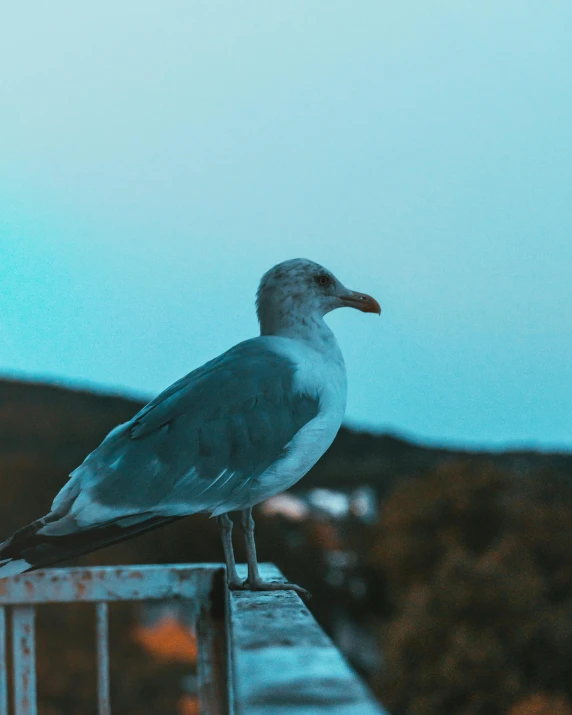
[{"x": 361, "y": 301}]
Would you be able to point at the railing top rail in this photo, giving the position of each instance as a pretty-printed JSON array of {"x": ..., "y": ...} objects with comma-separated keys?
[
  {"x": 108, "y": 583},
  {"x": 284, "y": 662},
  {"x": 258, "y": 652}
]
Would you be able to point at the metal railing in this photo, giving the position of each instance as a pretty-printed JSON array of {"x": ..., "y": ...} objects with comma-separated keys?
[{"x": 257, "y": 652}]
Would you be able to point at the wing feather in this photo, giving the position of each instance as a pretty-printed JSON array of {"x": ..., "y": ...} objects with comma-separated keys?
[{"x": 198, "y": 442}]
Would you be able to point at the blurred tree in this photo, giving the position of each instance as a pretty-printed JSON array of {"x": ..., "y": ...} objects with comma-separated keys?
[
  {"x": 477, "y": 563},
  {"x": 542, "y": 704}
]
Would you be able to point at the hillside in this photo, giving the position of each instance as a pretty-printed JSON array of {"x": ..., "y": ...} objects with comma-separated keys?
[
  {"x": 47, "y": 430},
  {"x": 441, "y": 508}
]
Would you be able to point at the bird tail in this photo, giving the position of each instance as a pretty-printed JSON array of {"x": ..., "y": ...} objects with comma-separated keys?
[{"x": 28, "y": 548}]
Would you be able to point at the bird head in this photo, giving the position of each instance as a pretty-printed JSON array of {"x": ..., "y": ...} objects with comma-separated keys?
[{"x": 300, "y": 289}]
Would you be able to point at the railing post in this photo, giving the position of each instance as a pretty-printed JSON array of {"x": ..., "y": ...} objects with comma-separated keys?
[
  {"x": 212, "y": 657},
  {"x": 102, "y": 637},
  {"x": 3, "y": 664},
  {"x": 24, "y": 660}
]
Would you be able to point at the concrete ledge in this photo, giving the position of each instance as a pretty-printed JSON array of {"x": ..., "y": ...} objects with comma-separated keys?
[{"x": 282, "y": 660}]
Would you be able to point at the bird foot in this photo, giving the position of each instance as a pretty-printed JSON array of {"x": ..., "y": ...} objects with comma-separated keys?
[
  {"x": 260, "y": 585},
  {"x": 237, "y": 585}
]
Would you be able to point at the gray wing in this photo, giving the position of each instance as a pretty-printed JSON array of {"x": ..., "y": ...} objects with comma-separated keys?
[{"x": 210, "y": 434}]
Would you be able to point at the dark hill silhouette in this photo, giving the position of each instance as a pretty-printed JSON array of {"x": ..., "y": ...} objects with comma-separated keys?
[{"x": 47, "y": 430}]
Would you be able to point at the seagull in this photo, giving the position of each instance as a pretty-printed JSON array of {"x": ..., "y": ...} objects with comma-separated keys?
[{"x": 244, "y": 427}]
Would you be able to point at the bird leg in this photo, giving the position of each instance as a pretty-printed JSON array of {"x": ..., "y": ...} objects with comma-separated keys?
[
  {"x": 224, "y": 523},
  {"x": 254, "y": 581}
]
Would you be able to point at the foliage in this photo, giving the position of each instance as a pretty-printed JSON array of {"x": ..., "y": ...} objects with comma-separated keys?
[
  {"x": 467, "y": 576},
  {"x": 478, "y": 567}
]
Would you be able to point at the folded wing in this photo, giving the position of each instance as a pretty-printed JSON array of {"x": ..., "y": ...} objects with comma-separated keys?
[{"x": 200, "y": 444}]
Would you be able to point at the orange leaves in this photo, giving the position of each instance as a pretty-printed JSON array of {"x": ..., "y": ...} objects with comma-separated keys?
[{"x": 167, "y": 640}]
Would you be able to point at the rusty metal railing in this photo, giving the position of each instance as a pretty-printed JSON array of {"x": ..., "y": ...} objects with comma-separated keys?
[
  {"x": 259, "y": 653},
  {"x": 200, "y": 586}
]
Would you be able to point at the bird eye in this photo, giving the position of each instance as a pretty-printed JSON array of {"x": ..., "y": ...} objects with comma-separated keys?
[{"x": 323, "y": 280}]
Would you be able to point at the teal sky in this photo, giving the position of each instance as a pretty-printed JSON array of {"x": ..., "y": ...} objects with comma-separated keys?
[{"x": 157, "y": 158}]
